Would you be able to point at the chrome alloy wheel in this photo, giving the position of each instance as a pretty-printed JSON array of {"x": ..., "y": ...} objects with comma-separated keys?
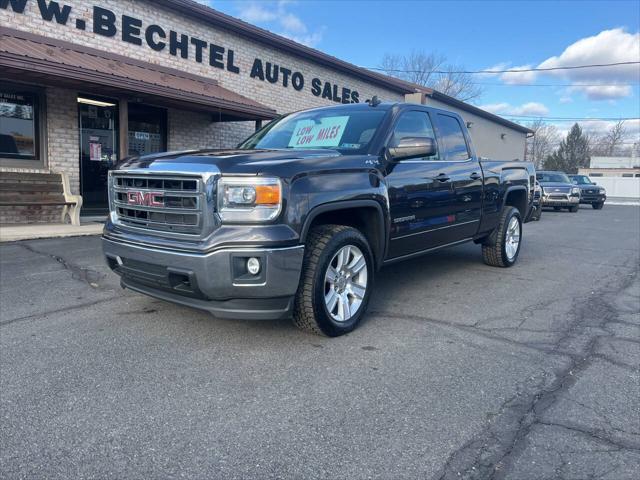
[
  {"x": 512, "y": 240},
  {"x": 345, "y": 283}
]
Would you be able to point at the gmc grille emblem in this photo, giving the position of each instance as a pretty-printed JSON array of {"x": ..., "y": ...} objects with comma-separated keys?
[{"x": 146, "y": 199}]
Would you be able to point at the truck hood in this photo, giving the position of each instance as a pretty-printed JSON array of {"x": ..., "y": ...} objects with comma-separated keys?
[
  {"x": 588, "y": 187},
  {"x": 556, "y": 184},
  {"x": 281, "y": 162}
]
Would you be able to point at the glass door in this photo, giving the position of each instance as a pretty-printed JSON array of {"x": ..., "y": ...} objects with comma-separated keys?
[
  {"x": 147, "y": 130},
  {"x": 98, "y": 151}
]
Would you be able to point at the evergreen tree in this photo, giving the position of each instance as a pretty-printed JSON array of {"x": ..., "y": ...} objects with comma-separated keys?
[{"x": 572, "y": 154}]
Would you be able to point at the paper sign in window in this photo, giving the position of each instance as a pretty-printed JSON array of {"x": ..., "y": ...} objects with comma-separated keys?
[
  {"x": 327, "y": 133},
  {"x": 95, "y": 152}
]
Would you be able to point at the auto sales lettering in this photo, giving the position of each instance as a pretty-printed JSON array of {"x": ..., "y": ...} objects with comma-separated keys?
[{"x": 132, "y": 30}]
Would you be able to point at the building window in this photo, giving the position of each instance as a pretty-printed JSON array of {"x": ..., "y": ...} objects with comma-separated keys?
[
  {"x": 595, "y": 175},
  {"x": 20, "y": 127},
  {"x": 627, "y": 175}
]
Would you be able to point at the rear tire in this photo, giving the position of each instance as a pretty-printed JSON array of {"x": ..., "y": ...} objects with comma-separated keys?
[
  {"x": 574, "y": 209},
  {"x": 336, "y": 283},
  {"x": 597, "y": 205},
  {"x": 498, "y": 250}
]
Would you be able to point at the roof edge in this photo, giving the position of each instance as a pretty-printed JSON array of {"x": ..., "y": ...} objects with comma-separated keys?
[{"x": 475, "y": 110}]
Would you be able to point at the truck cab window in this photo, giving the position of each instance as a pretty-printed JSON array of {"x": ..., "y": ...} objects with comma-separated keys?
[
  {"x": 413, "y": 124},
  {"x": 453, "y": 138}
]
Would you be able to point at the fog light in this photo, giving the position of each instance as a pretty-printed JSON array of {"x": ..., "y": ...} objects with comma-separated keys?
[{"x": 253, "y": 266}]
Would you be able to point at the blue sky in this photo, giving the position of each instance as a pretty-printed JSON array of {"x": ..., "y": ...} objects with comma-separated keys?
[{"x": 482, "y": 35}]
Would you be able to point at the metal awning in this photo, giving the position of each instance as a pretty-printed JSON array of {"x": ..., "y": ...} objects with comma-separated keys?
[{"x": 28, "y": 57}]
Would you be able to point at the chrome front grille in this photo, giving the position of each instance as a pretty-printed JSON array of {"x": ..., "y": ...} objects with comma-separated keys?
[{"x": 162, "y": 203}]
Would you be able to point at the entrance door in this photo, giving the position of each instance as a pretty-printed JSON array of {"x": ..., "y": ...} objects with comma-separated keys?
[
  {"x": 98, "y": 151},
  {"x": 147, "y": 129}
]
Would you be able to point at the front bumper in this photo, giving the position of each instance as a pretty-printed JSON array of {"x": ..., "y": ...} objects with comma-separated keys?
[
  {"x": 564, "y": 200},
  {"x": 215, "y": 281},
  {"x": 593, "y": 198}
]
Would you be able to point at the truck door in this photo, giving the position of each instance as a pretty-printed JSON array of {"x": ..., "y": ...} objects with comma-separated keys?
[
  {"x": 421, "y": 195},
  {"x": 466, "y": 176}
]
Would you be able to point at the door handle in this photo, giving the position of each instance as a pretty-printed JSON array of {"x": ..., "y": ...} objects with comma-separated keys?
[
  {"x": 443, "y": 177},
  {"x": 474, "y": 176}
]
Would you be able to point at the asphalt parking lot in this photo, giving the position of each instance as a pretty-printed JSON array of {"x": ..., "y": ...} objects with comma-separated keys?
[{"x": 461, "y": 371}]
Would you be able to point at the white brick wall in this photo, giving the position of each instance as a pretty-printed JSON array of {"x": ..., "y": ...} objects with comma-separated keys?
[
  {"x": 186, "y": 130},
  {"x": 189, "y": 130},
  {"x": 63, "y": 136}
]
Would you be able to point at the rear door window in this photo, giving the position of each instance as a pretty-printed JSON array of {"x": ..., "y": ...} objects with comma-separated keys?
[{"x": 455, "y": 145}]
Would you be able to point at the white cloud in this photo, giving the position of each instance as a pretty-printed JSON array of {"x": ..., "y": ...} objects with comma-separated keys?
[
  {"x": 309, "y": 39},
  {"x": 516, "y": 78},
  {"x": 565, "y": 99},
  {"x": 599, "y": 128},
  {"x": 277, "y": 17},
  {"x": 528, "y": 109},
  {"x": 603, "y": 92},
  {"x": 608, "y": 46},
  {"x": 495, "y": 107},
  {"x": 292, "y": 23},
  {"x": 254, "y": 13}
]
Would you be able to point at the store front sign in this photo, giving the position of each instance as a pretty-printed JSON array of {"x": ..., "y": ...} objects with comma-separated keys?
[{"x": 158, "y": 38}]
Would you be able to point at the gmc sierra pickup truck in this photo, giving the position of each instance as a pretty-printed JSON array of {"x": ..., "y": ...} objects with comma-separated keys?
[{"x": 298, "y": 219}]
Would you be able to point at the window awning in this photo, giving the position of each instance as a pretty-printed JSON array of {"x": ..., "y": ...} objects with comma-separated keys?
[{"x": 29, "y": 57}]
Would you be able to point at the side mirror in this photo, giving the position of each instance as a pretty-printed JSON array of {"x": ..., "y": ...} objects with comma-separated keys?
[
  {"x": 593, "y": 183},
  {"x": 413, "y": 147}
]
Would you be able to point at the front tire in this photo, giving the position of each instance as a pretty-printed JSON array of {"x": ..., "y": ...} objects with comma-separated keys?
[
  {"x": 574, "y": 209},
  {"x": 597, "y": 205},
  {"x": 502, "y": 247},
  {"x": 337, "y": 279}
]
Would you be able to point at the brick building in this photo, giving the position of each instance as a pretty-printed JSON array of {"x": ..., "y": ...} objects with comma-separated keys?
[{"x": 84, "y": 83}]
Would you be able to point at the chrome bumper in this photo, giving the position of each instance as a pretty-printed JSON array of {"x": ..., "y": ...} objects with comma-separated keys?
[
  {"x": 566, "y": 201},
  {"x": 215, "y": 281}
]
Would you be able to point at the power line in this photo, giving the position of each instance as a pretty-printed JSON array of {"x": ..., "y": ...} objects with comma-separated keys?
[
  {"x": 514, "y": 70},
  {"x": 584, "y": 119},
  {"x": 599, "y": 143},
  {"x": 558, "y": 84}
]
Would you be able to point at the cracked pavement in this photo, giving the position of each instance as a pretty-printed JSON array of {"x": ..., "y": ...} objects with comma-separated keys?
[{"x": 462, "y": 371}]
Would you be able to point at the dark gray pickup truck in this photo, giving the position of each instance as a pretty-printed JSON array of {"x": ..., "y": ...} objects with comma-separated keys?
[{"x": 297, "y": 220}]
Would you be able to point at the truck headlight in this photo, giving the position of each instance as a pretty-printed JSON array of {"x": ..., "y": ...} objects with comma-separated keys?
[
  {"x": 249, "y": 199},
  {"x": 575, "y": 191},
  {"x": 603, "y": 191}
]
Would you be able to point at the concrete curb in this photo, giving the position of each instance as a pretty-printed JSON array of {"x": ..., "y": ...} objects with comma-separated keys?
[{"x": 13, "y": 233}]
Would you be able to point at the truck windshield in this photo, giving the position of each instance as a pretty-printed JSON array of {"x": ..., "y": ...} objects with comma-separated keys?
[
  {"x": 552, "y": 177},
  {"x": 348, "y": 131},
  {"x": 581, "y": 180}
]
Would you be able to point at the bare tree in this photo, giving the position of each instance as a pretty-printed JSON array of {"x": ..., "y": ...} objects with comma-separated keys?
[
  {"x": 544, "y": 141},
  {"x": 610, "y": 143},
  {"x": 615, "y": 137},
  {"x": 431, "y": 70}
]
